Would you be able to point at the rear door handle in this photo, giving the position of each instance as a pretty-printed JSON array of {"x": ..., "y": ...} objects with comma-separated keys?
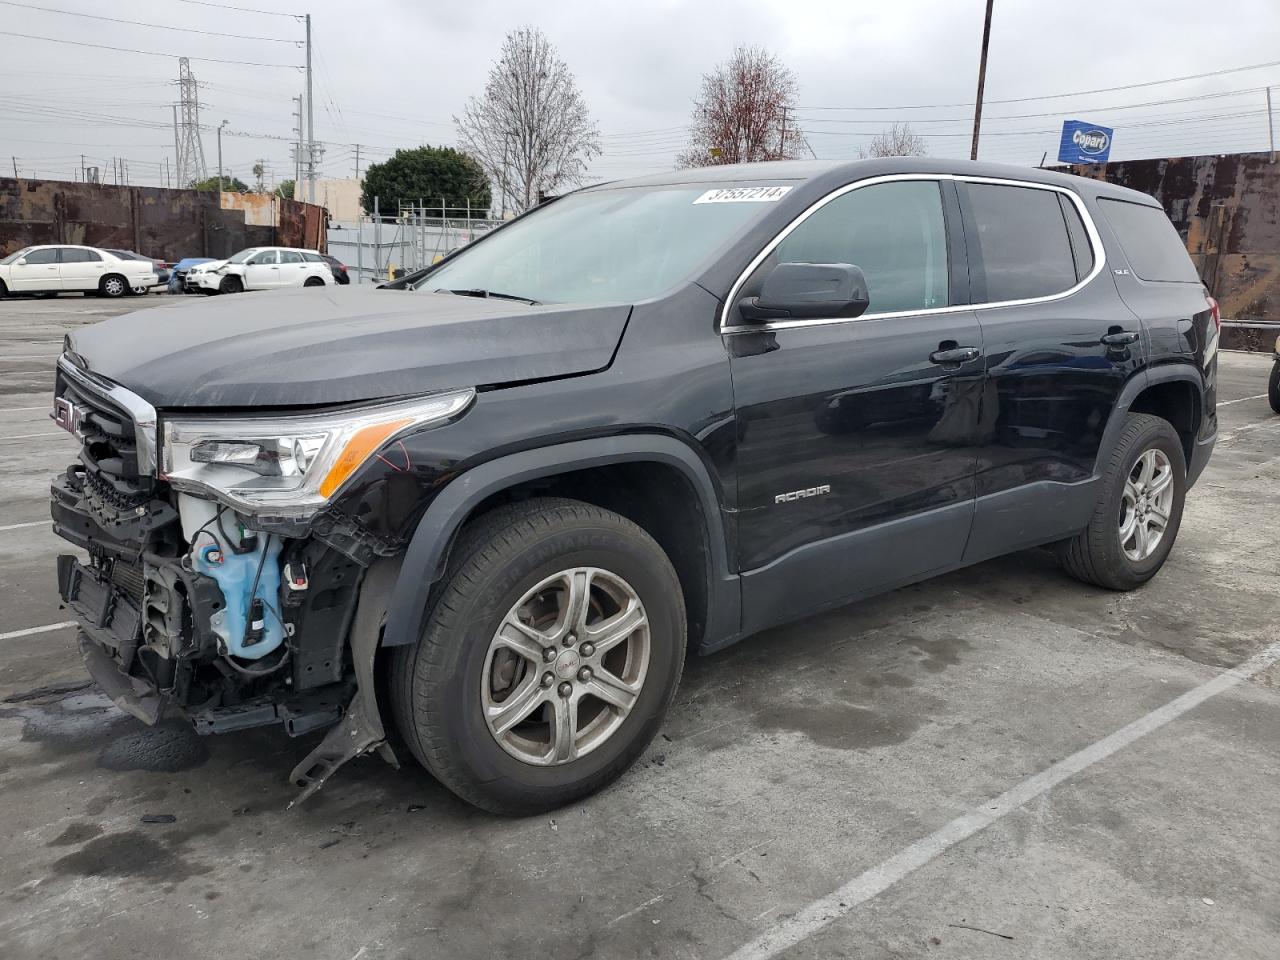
[
  {"x": 955, "y": 355},
  {"x": 1120, "y": 338}
]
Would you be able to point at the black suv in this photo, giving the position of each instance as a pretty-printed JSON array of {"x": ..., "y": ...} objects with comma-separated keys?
[{"x": 497, "y": 504}]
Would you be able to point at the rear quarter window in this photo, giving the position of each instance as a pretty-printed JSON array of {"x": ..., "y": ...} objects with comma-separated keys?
[{"x": 1149, "y": 241}]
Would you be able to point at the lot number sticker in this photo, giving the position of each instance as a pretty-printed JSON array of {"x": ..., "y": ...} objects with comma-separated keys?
[{"x": 743, "y": 195}]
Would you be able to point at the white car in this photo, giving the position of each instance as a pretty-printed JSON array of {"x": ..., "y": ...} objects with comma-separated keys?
[
  {"x": 49, "y": 269},
  {"x": 262, "y": 268}
]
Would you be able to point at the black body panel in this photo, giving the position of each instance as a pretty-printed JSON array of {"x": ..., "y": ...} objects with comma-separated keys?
[{"x": 310, "y": 347}]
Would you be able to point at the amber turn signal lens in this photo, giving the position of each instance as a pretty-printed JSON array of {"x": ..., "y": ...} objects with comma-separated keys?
[{"x": 357, "y": 451}]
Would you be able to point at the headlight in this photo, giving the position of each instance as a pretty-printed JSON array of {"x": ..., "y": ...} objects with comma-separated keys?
[{"x": 290, "y": 465}]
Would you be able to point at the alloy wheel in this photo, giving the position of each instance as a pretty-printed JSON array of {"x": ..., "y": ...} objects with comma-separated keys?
[
  {"x": 1146, "y": 504},
  {"x": 566, "y": 666}
]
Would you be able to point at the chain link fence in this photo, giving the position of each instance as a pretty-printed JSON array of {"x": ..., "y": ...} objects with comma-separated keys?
[{"x": 383, "y": 245}]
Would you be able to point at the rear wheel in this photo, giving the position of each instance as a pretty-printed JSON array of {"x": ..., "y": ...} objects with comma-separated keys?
[
  {"x": 113, "y": 285},
  {"x": 4, "y": 291},
  {"x": 313, "y": 282},
  {"x": 231, "y": 284},
  {"x": 551, "y": 653},
  {"x": 1273, "y": 385},
  {"x": 1138, "y": 514}
]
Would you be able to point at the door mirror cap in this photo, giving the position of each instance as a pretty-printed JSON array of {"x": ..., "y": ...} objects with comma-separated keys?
[
  {"x": 21, "y": 262},
  {"x": 796, "y": 291}
]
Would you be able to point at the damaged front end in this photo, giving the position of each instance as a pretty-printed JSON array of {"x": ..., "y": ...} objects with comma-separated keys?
[{"x": 220, "y": 584}]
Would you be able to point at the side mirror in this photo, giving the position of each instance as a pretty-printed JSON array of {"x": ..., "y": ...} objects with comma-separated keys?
[
  {"x": 22, "y": 262},
  {"x": 795, "y": 291}
]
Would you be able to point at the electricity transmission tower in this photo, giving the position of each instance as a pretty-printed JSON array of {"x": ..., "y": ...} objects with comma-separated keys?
[{"x": 188, "y": 147}]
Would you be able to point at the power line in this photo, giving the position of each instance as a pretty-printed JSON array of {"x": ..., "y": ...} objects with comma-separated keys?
[
  {"x": 149, "y": 53},
  {"x": 225, "y": 6},
  {"x": 1051, "y": 113},
  {"x": 142, "y": 23},
  {"x": 1077, "y": 93}
]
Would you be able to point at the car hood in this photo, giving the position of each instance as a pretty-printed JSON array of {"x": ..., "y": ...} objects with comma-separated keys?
[{"x": 308, "y": 347}]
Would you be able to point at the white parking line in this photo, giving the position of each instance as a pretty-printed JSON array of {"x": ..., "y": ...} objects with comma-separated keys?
[
  {"x": 23, "y": 526},
  {"x": 810, "y": 919},
  {"x": 1227, "y": 403},
  {"x": 32, "y": 436},
  {"x": 15, "y": 634},
  {"x": 45, "y": 406},
  {"x": 43, "y": 356}
]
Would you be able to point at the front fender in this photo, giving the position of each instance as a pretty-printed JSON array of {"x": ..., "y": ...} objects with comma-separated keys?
[{"x": 427, "y": 553}]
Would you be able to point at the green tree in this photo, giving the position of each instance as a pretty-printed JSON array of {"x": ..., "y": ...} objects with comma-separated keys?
[
  {"x": 426, "y": 174},
  {"x": 229, "y": 184},
  {"x": 285, "y": 189}
]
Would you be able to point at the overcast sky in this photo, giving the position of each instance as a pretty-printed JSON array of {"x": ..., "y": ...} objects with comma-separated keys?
[{"x": 393, "y": 73}]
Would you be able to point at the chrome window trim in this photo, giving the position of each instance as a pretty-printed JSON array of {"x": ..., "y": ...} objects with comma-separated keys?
[
  {"x": 1099, "y": 256},
  {"x": 140, "y": 412}
]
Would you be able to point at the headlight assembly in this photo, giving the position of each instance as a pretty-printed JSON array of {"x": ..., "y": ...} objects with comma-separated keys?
[{"x": 290, "y": 465}]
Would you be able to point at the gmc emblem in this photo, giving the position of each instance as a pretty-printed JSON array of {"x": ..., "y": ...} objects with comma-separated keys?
[{"x": 67, "y": 416}]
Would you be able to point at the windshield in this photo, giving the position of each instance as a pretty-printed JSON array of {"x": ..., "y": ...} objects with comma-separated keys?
[
  {"x": 13, "y": 256},
  {"x": 604, "y": 246},
  {"x": 242, "y": 256}
]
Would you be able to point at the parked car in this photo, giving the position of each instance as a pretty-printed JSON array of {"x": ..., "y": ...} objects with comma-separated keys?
[
  {"x": 50, "y": 269},
  {"x": 339, "y": 269},
  {"x": 263, "y": 268},
  {"x": 178, "y": 276},
  {"x": 644, "y": 419},
  {"x": 159, "y": 266}
]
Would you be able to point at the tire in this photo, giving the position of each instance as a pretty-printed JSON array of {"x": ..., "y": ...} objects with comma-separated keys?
[
  {"x": 1273, "y": 383},
  {"x": 139, "y": 291},
  {"x": 231, "y": 284},
  {"x": 113, "y": 286},
  {"x": 439, "y": 686},
  {"x": 4, "y": 291},
  {"x": 313, "y": 282},
  {"x": 1097, "y": 555}
]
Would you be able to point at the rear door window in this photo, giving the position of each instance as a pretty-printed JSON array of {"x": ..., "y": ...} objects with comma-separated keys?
[
  {"x": 1149, "y": 240},
  {"x": 76, "y": 255},
  {"x": 1022, "y": 243},
  {"x": 290, "y": 256}
]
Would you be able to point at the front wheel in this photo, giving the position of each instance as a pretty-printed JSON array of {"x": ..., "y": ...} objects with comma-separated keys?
[
  {"x": 231, "y": 284},
  {"x": 1136, "y": 520},
  {"x": 551, "y": 654},
  {"x": 1273, "y": 387}
]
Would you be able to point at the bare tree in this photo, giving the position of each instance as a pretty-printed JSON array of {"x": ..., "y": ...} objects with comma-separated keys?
[
  {"x": 531, "y": 131},
  {"x": 745, "y": 112},
  {"x": 898, "y": 141}
]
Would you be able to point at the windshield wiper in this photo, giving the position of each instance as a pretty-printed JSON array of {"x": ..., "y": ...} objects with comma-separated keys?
[{"x": 484, "y": 294}]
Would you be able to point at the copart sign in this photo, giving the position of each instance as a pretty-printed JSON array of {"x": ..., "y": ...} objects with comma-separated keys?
[{"x": 1084, "y": 143}]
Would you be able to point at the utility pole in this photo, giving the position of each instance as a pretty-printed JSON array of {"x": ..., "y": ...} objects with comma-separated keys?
[
  {"x": 82, "y": 174},
  {"x": 311, "y": 125},
  {"x": 782, "y": 136},
  {"x": 297, "y": 150},
  {"x": 982, "y": 81},
  {"x": 15, "y": 167},
  {"x": 167, "y": 182},
  {"x": 357, "y": 146},
  {"x": 1271, "y": 128},
  {"x": 220, "y": 126}
]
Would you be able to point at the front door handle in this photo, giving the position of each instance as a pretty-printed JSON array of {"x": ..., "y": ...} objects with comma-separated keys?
[
  {"x": 955, "y": 355},
  {"x": 1120, "y": 338}
]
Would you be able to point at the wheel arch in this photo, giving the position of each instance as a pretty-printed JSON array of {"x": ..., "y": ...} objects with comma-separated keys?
[
  {"x": 1174, "y": 393},
  {"x": 692, "y": 531}
]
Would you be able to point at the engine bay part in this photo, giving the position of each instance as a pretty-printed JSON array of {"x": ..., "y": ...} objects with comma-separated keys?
[{"x": 246, "y": 567}]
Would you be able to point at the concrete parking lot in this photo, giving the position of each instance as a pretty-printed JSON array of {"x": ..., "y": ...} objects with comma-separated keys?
[{"x": 998, "y": 763}]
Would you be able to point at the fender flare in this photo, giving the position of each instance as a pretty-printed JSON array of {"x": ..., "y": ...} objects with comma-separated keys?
[
  {"x": 1169, "y": 373},
  {"x": 425, "y": 556}
]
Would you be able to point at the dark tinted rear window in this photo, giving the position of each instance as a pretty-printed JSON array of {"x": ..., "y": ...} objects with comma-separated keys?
[
  {"x": 1149, "y": 240},
  {"x": 1022, "y": 241},
  {"x": 1080, "y": 246}
]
